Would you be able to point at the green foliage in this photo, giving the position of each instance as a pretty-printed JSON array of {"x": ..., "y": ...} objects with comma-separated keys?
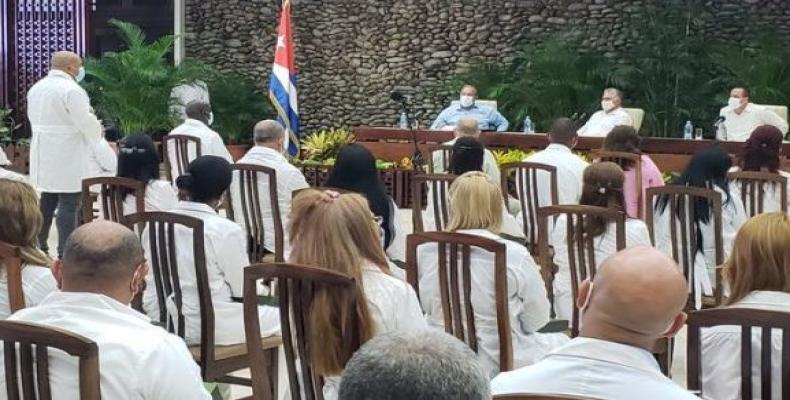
[
  {"x": 7, "y": 126},
  {"x": 237, "y": 104},
  {"x": 510, "y": 156}
]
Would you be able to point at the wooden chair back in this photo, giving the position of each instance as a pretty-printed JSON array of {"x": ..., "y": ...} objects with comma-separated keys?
[
  {"x": 455, "y": 285},
  {"x": 528, "y": 396},
  {"x": 26, "y": 357},
  {"x": 183, "y": 146},
  {"x": 111, "y": 197},
  {"x": 680, "y": 206},
  {"x": 580, "y": 247},
  {"x": 753, "y": 186},
  {"x": 296, "y": 285},
  {"x": 749, "y": 321},
  {"x": 250, "y": 211},
  {"x": 527, "y": 181},
  {"x": 11, "y": 261},
  {"x": 635, "y": 160},
  {"x": 438, "y": 187},
  {"x": 443, "y": 153}
]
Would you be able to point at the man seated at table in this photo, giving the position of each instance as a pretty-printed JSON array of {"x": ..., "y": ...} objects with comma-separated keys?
[
  {"x": 741, "y": 117},
  {"x": 487, "y": 118},
  {"x": 467, "y": 127},
  {"x": 610, "y": 115}
]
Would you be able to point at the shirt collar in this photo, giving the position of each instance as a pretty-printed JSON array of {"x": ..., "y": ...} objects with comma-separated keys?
[
  {"x": 611, "y": 352},
  {"x": 558, "y": 147},
  {"x": 264, "y": 151},
  {"x": 60, "y": 74},
  {"x": 90, "y": 300},
  {"x": 472, "y": 107},
  {"x": 194, "y": 122},
  {"x": 195, "y": 206},
  {"x": 765, "y": 298}
]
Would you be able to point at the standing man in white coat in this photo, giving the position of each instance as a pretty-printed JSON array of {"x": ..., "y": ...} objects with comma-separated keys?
[{"x": 65, "y": 132}]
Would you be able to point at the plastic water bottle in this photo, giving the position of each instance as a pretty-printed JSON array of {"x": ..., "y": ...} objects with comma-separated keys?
[
  {"x": 688, "y": 130},
  {"x": 528, "y": 128},
  {"x": 403, "y": 122}
]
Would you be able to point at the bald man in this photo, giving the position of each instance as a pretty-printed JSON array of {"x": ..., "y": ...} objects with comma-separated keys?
[
  {"x": 198, "y": 124},
  {"x": 468, "y": 127},
  {"x": 65, "y": 132},
  {"x": 610, "y": 115},
  {"x": 637, "y": 298},
  {"x": 102, "y": 268}
]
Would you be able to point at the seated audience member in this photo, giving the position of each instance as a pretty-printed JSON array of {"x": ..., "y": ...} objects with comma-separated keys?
[
  {"x": 355, "y": 171},
  {"x": 610, "y": 115},
  {"x": 742, "y": 117},
  {"x": 339, "y": 233},
  {"x": 269, "y": 137},
  {"x": 758, "y": 276},
  {"x": 603, "y": 187},
  {"x": 198, "y": 124},
  {"x": 476, "y": 209},
  {"x": 762, "y": 153},
  {"x": 706, "y": 169},
  {"x": 624, "y": 139},
  {"x": 414, "y": 366},
  {"x": 487, "y": 118},
  {"x": 20, "y": 227},
  {"x": 101, "y": 271},
  {"x": 202, "y": 188},
  {"x": 636, "y": 299},
  {"x": 570, "y": 167},
  {"x": 103, "y": 160},
  {"x": 467, "y": 127},
  {"x": 138, "y": 160},
  {"x": 6, "y": 174}
]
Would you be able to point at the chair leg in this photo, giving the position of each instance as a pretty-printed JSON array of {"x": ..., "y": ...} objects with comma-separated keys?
[{"x": 272, "y": 363}]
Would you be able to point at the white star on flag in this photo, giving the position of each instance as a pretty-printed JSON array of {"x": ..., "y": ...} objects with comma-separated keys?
[{"x": 281, "y": 41}]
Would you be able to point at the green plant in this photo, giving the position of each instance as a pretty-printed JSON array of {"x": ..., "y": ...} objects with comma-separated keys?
[
  {"x": 237, "y": 105},
  {"x": 7, "y": 126},
  {"x": 510, "y": 155},
  {"x": 325, "y": 144}
]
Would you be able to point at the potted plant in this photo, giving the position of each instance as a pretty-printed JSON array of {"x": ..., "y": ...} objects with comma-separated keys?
[{"x": 16, "y": 150}]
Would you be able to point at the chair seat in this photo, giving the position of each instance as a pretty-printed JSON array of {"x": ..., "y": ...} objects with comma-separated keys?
[
  {"x": 235, "y": 350},
  {"x": 269, "y": 258}
]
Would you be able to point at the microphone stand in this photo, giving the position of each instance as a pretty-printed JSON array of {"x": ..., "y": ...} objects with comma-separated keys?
[{"x": 416, "y": 159}]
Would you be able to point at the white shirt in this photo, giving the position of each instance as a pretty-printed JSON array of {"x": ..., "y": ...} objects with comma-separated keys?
[
  {"x": 289, "y": 179},
  {"x": 12, "y": 176},
  {"x": 570, "y": 174},
  {"x": 103, "y": 160},
  {"x": 773, "y": 196},
  {"x": 211, "y": 143},
  {"x": 37, "y": 283},
  {"x": 738, "y": 128},
  {"x": 721, "y": 352},
  {"x": 226, "y": 257},
  {"x": 65, "y": 132},
  {"x": 159, "y": 196},
  {"x": 605, "y": 245},
  {"x": 596, "y": 369},
  {"x": 490, "y": 166},
  {"x": 602, "y": 122},
  {"x": 527, "y": 300},
  {"x": 137, "y": 360}
]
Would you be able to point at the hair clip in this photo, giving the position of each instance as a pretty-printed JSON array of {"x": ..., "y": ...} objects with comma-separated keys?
[
  {"x": 329, "y": 196},
  {"x": 131, "y": 150},
  {"x": 763, "y": 145},
  {"x": 601, "y": 190}
]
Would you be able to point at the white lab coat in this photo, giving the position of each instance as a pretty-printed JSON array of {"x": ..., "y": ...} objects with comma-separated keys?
[
  {"x": 226, "y": 257},
  {"x": 605, "y": 245},
  {"x": 596, "y": 369},
  {"x": 159, "y": 196},
  {"x": 721, "y": 352},
  {"x": 527, "y": 300},
  {"x": 602, "y": 122},
  {"x": 12, "y": 176},
  {"x": 733, "y": 216},
  {"x": 211, "y": 143},
  {"x": 37, "y": 283},
  {"x": 289, "y": 180},
  {"x": 772, "y": 200},
  {"x": 65, "y": 132},
  {"x": 103, "y": 160},
  {"x": 137, "y": 360}
]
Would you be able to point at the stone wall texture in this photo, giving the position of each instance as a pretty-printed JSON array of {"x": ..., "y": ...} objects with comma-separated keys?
[{"x": 351, "y": 54}]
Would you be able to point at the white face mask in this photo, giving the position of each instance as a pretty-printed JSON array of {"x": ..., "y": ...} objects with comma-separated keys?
[
  {"x": 733, "y": 102},
  {"x": 467, "y": 101},
  {"x": 607, "y": 105},
  {"x": 210, "y": 118},
  {"x": 80, "y": 74}
]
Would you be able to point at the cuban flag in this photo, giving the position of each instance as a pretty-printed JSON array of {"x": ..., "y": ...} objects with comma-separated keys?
[{"x": 282, "y": 84}]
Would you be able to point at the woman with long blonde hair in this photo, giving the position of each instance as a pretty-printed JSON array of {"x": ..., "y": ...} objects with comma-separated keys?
[
  {"x": 476, "y": 209},
  {"x": 21, "y": 223},
  {"x": 339, "y": 232},
  {"x": 758, "y": 276}
]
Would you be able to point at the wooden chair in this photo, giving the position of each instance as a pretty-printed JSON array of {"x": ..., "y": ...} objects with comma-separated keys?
[
  {"x": 248, "y": 177},
  {"x": 454, "y": 273},
  {"x": 216, "y": 362},
  {"x": 111, "y": 197},
  {"x": 183, "y": 147},
  {"x": 11, "y": 261},
  {"x": 581, "y": 252},
  {"x": 439, "y": 185},
  {"x": 747, "y": 320},
  {"x": 295, "y": 287},
  {"x": 528, "y": 396},
  {"x": 443, "y": 153},
  {"x": 636, "y": 160},
  {"x": 753, "y": 186},
  {"x": 528, "y": 193},
  {"x": 26, "y": 355}
]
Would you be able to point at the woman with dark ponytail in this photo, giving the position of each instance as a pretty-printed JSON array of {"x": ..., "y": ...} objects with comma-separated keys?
[{"x": 762, "y": 153}]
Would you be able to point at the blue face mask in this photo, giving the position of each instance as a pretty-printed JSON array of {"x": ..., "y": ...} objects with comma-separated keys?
[{"x": 80, "y": 75}]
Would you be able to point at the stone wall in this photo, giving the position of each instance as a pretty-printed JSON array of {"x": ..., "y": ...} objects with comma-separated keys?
[{"x": 351, "y": 54}]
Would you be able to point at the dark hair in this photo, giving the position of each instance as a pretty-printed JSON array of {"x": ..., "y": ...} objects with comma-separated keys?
[
  {"x": 206, "y": 179},
  {"x": 467, "y": 155},
  {"x": 762, "y": 149},
  {"x": 623, "y": 138},
  {"x": 745, "y": 91},
  {"x": 563, "y": 131},
  {"x": 602, "y": 187},
  {"x": 355, "y": 171},
  {"x": 137, "y": 159}
]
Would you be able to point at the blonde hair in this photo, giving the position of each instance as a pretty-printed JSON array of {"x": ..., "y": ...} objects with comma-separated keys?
[
  {"x": 475, "y": 203},
  {"x": 760, "y": 258},
  {"x": 21, "y": 221},
  {"x": 337, "y": 232}
]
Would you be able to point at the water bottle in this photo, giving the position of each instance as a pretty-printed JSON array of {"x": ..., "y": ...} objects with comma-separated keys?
[
  {"x": 528, "y": 128},
  {"x": 688, "y": 130},
  {"x": 403, "y": 122}
]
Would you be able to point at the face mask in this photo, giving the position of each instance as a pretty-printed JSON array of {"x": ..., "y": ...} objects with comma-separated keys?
[
  {"x": 607, "y": 105},
  {"x": 733, "y": 102},
  {"x": 80, "y": 75},
  {"x": 467, "y": 101},
  {"x": 210, "y": 118}
]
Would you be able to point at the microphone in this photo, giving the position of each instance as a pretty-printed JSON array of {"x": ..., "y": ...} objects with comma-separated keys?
[
  {"x": 719, "y": 121},
  {"x": 581, "y": 117}
]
